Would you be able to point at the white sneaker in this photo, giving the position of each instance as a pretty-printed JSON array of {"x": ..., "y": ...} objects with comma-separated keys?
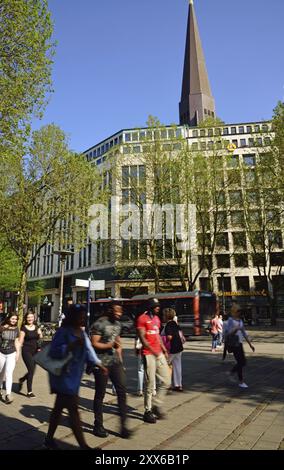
[{"x": 243, "y": 385}]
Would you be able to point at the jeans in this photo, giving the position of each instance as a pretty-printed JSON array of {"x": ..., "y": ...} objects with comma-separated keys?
[
  {"x": 118, "y": 378},
  {"x": 214, "y": 340}
]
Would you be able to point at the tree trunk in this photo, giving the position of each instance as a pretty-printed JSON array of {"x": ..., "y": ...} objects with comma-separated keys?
[{"x": 21, "y": 299}]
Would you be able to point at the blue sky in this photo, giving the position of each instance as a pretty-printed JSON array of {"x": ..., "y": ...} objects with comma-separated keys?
[{"x": 119, "y": 61}]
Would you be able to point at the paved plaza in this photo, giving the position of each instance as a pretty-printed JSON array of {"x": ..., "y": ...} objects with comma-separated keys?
[{"x": 212, "y": 413}]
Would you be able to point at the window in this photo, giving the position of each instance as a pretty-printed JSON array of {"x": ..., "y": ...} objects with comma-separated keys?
[
  {"x": 194, "y": 146},
  {"x": 136, "y": 149},
  {"x": 127, "y": 137},
  {"x": 171, "y": 134},
  {"x": 252, "y": 197},
  {"x": 134, "y": 136},
  {"x": 275, "y": 239},
  {"x": 264, "y": 128},
  {"x": 260, "y": 283},
  {"x": 249, "y": 129},
  {"x": 221, "y": 220},
  {"x": 241, "y": 130},
  {"x": 210, "y": 132},
  {"x": 254, "y": 217},
  {"x": 235, "y": 142},
  {"x": 126, "y": 150},
  {"x": 205, "y": 262},
  {"x": 125, "y": 176},
  {"x": 177, "y": 146},
  {"x": 210, "y": 145},
  {"x": 222, "y": 241},
  {"x": 142, "y": 135},
  {"x": 163, "y": 134},
  {"x": 203, "y": 145},
  {"x": 202, "y": 133},
  {"x": 237, "y": 218},
  {"x": 224, "y": 283},
  {"x": 239, "y": 240},
  {"x": 233, "y": 161},
  {"x": 241, "y": 260},
  {"x": 250, "y": 176},
  {"x": 235, "y": 197},
  {"x": 233, "y": 130},
  {"x": 256, "y": 128},
  {"x": 242, "y": 283},
  {"x": 243, "y": 142},
  {"x": 218, "y": 131},
  {"x": 204, "y": 283},
  {"x": 195, "y": 133},
  {"x": 251, "y": 142},
  {"x": 277, "y": 259},
  {"x": 223, "y": 261},
  {"x": 259, "y": 141},
  {"x": 226, "y": 131},
  {"x": 267, "y": 141},
  {"x": 258, "y": 259}
]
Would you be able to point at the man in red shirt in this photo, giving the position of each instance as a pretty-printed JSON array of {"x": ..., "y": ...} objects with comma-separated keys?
[{"x": 155, "y": 363}]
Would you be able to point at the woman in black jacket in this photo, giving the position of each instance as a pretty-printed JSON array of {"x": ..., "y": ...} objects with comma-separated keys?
[{"x": 175, "y": 337}]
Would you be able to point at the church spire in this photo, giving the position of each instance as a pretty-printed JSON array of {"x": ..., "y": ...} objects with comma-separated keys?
[{"x": 197, "y": 102}]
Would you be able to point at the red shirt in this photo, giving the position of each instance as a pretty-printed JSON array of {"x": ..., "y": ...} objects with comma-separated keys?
[{"x": 151, "y": 326}]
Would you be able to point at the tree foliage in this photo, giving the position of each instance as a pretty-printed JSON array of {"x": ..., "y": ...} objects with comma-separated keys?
[
  {"x": 48, "y": 199},
  {"x": 25, "y": 66}
]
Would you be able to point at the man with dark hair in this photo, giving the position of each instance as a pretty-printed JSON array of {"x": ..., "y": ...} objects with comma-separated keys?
[
  {"x": 105, "y": 338},
  {"x": 155, "y": 363}
]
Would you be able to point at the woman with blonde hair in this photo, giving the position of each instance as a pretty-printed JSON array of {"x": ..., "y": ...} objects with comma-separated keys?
[
  {"x": 235, "y": 334},
  {"x": 176, "y": 339}
]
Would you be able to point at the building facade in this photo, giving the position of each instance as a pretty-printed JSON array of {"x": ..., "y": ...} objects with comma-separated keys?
[{"x": 235, "y": 272}]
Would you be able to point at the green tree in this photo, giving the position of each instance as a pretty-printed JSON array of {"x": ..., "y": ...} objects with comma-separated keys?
[
  {"x": 10, "y": 269},
  {"x": 25, "y": 66},
  {"x": 48, "y": 199}
]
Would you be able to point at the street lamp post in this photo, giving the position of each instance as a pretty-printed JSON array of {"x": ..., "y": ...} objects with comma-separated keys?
[
  {"x": 63, "y": 255},
  {"x": 89, "y": 302},
  {"x": 223, "y": 294}
]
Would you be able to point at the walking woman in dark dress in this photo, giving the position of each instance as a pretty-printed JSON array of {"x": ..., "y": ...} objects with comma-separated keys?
[{"x": 30, "y": 335}]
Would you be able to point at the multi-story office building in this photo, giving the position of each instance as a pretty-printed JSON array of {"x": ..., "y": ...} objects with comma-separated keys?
[{"x": 235, "y": 272}]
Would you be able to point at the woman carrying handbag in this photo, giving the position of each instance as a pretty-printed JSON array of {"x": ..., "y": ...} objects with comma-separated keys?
[{"x": 70, "y": 337}]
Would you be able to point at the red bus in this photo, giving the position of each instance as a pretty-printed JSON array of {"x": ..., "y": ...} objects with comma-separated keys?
[{"x": 194, "y": 309}]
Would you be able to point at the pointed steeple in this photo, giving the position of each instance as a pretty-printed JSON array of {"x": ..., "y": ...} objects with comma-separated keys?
[{"x": 197, "y": 102}]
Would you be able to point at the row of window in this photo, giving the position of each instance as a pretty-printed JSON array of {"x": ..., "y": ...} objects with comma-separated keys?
[
  {"x": 240, "y": 241},
  {"x": 242, "y": 283},
  {"x": 103, "y": 148},
  {"x": 241, "y": 260},
  {"x": 241, "y": 143},
  {"x": 149, "y": 135},
  {"x": 229, "y": 130}
]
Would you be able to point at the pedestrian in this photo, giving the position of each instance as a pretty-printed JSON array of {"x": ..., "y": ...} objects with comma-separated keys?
[
  {"x": 105, "y": 338},
  {"x": 235, "y": 328},
  {"x": 155, "y": 361},
  {"x": 176, "y": 338},
  {"x": 70, "y": 337},
  {"x": 9, "y": 353},
  {"x": 220, "y": 330},
  {"x": 214, "y": 331},
  {"x": 30, "y": 337}
]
